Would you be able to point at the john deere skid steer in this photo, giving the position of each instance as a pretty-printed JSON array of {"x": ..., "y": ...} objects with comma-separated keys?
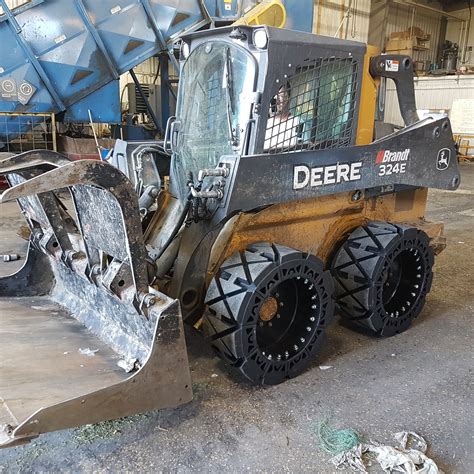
[{"x": 278, "y": 208}]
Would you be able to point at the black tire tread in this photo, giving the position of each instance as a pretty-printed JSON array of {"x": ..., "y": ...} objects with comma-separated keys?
[
  {"x": 230, "y": 290},
  {"x": 356, "y": 266}
]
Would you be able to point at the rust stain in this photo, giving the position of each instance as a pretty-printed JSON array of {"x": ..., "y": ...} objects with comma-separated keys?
[
  {"x": 268, "y": 309},
  {"x": 318, "y": 226}
]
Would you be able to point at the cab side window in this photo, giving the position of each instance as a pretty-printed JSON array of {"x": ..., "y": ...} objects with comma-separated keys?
[{"x": 315, "y": 109}]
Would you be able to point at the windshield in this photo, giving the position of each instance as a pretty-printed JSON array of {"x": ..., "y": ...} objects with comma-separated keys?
[{"x": 214, "y": 106}]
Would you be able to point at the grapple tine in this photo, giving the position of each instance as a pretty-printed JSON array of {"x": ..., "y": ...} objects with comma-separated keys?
[
  {"x": 32, "y": 159},
  {"x": 88, "y": 172}
]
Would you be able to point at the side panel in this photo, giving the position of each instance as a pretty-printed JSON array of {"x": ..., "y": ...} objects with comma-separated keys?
[
  {"x": 318, "y": 225},
  {"x": 422, "y": 155}
]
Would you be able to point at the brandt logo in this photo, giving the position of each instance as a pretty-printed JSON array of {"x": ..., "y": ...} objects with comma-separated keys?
[
  {"x": 444, "y": 157},
  {"x": 387, "y": 156}
]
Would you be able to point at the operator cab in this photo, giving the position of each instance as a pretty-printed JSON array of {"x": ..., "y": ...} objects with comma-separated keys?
[{"x": 261, "y": 90}]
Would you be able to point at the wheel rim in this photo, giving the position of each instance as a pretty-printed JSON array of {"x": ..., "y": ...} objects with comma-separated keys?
[
  {"x": 295, "y": 322},
  {"x": 402, "y": 281},
  {"x": 262, "y": 303}
]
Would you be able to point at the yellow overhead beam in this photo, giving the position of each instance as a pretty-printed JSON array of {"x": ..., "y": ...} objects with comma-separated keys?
[{"x": 269, "y": 12}]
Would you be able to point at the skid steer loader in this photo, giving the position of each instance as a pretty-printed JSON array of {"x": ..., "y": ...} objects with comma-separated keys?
[{"x": 279, "y": 207}]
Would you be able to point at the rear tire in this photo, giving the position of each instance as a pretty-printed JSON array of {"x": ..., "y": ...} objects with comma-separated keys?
[
  {"x": 267, "y": 311},
  {"x": 383, "y": 273}
]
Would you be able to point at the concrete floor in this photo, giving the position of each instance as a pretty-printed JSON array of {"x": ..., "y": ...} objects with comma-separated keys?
[{"x": 418, "y": 381}]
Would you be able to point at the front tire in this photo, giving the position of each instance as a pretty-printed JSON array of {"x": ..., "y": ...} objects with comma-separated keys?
[
  {"x": 268, "y": 308},
  {"x": 383, "y": 273}
]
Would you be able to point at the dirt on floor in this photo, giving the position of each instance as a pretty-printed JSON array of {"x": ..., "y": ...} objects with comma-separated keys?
[{"x": 419, "y": 381}]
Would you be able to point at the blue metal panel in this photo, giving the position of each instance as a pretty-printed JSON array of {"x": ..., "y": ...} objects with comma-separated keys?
[
  {"x": 56, "y": 53},
  {"x": 108, "y": 97},
  {"x": 299, "y": 15}
]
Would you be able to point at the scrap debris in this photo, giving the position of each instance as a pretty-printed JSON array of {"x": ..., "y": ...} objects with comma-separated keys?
[
  {"x": 12, "y": 257},
  {"x": 88, "y": 352},
  {"x": 350, "y": 452}
]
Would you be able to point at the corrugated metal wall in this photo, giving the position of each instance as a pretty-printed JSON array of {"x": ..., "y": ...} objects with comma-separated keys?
[
  {"x": 15, "y": 3},
  {"x": 402, "y": 17},
  {"x": 432, "y": 93},
  {"x": 330, "y": 19}
]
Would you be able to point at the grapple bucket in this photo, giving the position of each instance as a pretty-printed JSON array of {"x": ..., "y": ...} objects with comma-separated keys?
[{"x": 83, "y": 337}]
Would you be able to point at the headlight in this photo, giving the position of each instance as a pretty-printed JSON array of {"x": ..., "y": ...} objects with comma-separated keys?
[
  {"x": 260, "y": 39},
  {"x": 185, "y": 50}
]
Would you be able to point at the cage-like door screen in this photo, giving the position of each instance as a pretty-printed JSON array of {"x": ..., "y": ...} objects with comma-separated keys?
[{"x": 315, "y": 108}]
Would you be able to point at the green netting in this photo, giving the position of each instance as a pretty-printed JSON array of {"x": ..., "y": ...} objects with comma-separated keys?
[{"x": 336, "y": 441}]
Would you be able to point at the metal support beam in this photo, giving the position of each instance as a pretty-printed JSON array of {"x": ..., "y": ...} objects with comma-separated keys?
[
  {"x": 156, "y": 29},
  {"x": 378, "y": 22},
  {"x": 165, "y": 88},
  {"x": 410, "y": 3},
  {"x": 147, "y": 103}
]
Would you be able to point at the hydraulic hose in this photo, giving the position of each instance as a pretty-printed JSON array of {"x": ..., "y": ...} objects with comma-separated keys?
[{"x": 177, "y": 228}]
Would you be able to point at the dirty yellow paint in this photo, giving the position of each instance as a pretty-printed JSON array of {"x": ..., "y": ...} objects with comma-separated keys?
[{"x": 319, "y": 225}]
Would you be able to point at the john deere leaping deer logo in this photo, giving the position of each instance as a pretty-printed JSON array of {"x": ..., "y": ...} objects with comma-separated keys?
[{"x": 444, "y": 156}]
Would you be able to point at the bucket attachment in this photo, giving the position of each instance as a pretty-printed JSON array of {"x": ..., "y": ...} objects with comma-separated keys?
[{"x": 81, "y": 310}]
